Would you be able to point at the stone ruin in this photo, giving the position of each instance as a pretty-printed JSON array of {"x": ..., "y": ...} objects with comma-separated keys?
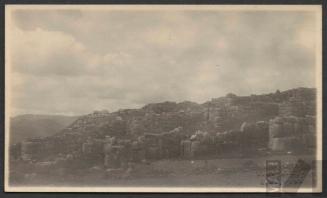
[
  {"x": 279, "y": 122},
  {"x": 294, "y": 129},
  {"x": 290, "y": 133}
]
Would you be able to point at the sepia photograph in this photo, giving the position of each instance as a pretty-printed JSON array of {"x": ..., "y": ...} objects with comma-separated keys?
[{"x": 163, "y": 98}]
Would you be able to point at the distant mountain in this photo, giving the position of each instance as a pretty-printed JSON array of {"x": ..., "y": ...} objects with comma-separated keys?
[{"x": 32, "y": 126}]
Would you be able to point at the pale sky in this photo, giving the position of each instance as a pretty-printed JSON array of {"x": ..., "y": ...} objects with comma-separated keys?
[{"x": 78, "y": 61}]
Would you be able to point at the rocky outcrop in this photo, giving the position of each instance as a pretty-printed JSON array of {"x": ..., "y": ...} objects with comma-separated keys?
[{"x": 151, "y": 132}]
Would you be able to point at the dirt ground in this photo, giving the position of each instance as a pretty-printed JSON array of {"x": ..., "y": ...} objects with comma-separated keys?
[{"x": 245, "y": 172}]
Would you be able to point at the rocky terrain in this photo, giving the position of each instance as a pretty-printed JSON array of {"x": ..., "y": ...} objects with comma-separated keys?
[{"x": 114, "y": 143}]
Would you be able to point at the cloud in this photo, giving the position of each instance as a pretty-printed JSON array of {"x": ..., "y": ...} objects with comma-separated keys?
[
  {"x": 78, "y": 61},
  {"x": 43, "y": 52}
]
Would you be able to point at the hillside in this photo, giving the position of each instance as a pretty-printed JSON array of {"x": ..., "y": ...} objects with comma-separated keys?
[
  {"x": 216, "y": 115},
  {"x": 222, "y": 116},
  {"x": 100, "y": 143},
  {"x": 33, "y": 126}
]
